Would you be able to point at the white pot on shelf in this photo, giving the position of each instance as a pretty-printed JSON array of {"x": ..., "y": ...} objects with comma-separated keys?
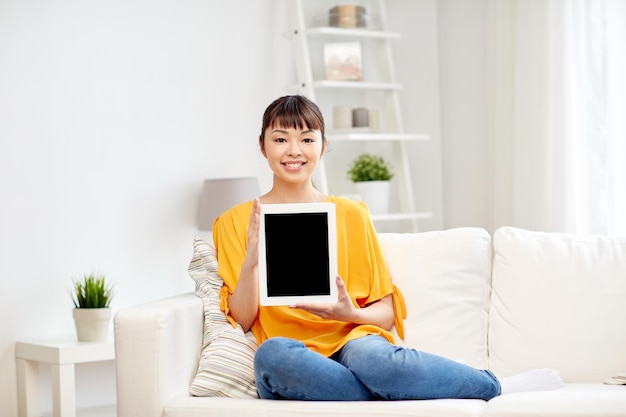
[
  {"x": 375, "y": 194},
  {"x": 92, "y": 324}
]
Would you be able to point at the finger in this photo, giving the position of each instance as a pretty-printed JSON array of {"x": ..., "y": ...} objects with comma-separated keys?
[
  {"x": 256, "y": 208},
  {"x": 341, "y": 288},
  {"x": 340, "y": 283},
  {"x": 255, "y": 214},
  {"x": 306, "y": 307}
]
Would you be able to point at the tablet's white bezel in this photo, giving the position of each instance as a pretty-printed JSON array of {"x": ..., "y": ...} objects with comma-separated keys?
[{"x": 325, "y": 207}]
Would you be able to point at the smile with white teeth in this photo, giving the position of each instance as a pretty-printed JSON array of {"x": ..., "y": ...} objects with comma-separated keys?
[{"x": 293, "y": 164}]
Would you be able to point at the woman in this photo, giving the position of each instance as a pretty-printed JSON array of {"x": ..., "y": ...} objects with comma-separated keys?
[{"x": 341, "y": 351}]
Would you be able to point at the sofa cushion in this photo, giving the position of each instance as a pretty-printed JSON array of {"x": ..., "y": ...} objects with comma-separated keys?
[
  {"x": 574, "y": 400},
  {"x": 445, "y": 279},
  {"x": 558, "y": 301},
  {"x": 225, "y": 368},
  {"x": 228, "y": 407}
]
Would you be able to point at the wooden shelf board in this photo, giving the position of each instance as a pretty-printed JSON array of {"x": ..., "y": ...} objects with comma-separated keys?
[
  {"x": 352, "y": 33},
  {"x": 358, "y": 136},
  {"x": 402, "y": 216},
  {"x": 356, "y": 85}
]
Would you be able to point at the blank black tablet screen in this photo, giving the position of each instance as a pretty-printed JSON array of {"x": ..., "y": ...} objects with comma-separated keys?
[{"x": 296, "y": 246}]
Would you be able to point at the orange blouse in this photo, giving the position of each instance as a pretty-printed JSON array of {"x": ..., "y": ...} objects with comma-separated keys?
[{"x": 360, "y": 264}]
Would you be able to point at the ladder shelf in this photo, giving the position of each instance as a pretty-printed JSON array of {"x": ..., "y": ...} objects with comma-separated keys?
[{"x": 377, "y": 91}]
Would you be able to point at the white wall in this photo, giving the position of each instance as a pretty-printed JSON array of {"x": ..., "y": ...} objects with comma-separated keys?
[
  {"x": 463, "y": 70},
  {"x": 442, "y": 62},
  {"x": 111, "y": 115},
  {"x": 416, "y": 57}
]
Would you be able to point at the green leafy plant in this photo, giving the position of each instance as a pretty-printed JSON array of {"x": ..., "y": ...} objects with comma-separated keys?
[
  {"x": 368, "y": 167},
  {"x": 93, "y": 291}
]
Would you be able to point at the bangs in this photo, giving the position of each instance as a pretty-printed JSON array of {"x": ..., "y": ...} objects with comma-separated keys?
[
  {"x": 296, "y": 121},
  {"x": 294, "y": 112}
]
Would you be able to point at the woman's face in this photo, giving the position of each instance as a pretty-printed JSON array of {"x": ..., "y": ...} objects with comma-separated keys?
[{"x": 292, "y": 153}]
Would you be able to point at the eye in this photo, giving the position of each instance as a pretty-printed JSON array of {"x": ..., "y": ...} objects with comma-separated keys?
[
  {"x": 308, "y": 140},
  {"x": 280, "y": 140}
]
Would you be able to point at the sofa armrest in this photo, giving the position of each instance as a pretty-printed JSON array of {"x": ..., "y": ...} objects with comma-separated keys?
[{"x": 157, "y": 346}]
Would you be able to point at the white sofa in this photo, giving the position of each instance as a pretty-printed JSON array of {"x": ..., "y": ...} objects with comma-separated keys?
[{"x": 512, "y": 302}]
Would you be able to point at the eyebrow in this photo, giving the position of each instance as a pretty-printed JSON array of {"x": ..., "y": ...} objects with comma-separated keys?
[{"x": 302, "y": 132}]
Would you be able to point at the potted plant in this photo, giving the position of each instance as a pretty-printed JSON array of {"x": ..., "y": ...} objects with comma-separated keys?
[
  {"x": 372, "y": 175},
  {"x": 92, "y": 296}
]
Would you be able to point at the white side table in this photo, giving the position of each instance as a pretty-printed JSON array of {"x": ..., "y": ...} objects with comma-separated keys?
[{"x": 62, "y": 356}]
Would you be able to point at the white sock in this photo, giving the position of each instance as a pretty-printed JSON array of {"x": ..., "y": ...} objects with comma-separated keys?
[{"x": 535, "y": 380}]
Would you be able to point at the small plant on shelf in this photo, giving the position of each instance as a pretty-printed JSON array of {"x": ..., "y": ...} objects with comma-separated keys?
[
  {"x": 93, "y": 291},
  {"x": 368, "y": 167}
]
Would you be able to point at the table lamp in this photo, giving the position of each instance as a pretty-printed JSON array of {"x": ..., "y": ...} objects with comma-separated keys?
[{"x": 218, "y": 195}]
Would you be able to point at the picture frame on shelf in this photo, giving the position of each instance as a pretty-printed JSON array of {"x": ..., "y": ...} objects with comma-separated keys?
[{"x": 343, "y": 61}]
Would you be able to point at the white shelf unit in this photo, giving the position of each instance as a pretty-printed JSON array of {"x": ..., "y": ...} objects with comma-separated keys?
[{"x": 379, "y": 89}]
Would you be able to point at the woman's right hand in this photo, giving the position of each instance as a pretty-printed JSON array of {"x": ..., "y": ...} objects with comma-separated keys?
[
  {"x": 244, "y": 301},
  {"x": 252, "y": 249}
]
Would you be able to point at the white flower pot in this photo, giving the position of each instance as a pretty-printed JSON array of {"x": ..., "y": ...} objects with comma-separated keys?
[
  {"x": 92, "y": 324},
  {"x": 375, "y": 194}
]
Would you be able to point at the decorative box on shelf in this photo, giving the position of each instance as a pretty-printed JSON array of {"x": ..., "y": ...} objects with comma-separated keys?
[{"x": 347, "y": 16}]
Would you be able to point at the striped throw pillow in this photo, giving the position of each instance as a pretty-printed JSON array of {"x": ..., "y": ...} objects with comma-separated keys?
[{"x": 225, "y": 368}]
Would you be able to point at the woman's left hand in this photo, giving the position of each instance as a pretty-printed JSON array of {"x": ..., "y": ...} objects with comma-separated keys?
[
  {"x": 379, "y": 313},
  {"x": 342, "y": 310}
]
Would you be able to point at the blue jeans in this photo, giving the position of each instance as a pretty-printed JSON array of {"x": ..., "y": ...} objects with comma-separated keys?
[{"x": 368, "y": 368}]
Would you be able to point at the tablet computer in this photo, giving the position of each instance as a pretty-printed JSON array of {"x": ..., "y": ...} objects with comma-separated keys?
[{"x": 297, "y": 254}]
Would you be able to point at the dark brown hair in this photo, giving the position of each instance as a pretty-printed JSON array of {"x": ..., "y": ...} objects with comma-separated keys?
[{"x": 297, "y": 112}]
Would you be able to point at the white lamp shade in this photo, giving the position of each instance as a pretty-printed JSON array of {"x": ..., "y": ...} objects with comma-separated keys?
[{"x": 218, "y": 195}]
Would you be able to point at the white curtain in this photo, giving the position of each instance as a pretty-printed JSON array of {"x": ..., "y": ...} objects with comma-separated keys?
[
  {"x": 616, "y": 111},
  {"x": 555, "y": 142}
]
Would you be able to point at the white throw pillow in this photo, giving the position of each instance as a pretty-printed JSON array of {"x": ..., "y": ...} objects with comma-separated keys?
[
  {"x": 445, "y": 279},
  {"x": 225, "y": 368}
]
